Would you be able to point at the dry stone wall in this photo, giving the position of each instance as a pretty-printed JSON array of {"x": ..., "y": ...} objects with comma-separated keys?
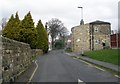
[
  {"x": 0, "y": 60},
  {"x": 16, "y": 58}
]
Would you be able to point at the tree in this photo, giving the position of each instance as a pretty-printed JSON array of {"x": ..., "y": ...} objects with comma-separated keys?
[
  {"x": 56, "y": 28},
  {"x": 42, "y": 38},
  {"x": 27, "y": 32},
  {"x": 11, "y": 28},
  {"x": 59, "y": 44},
  {"x": 26, "y": 29},
  {"x": 8, "y": 29},
  {"x": 15, "y": 28}
]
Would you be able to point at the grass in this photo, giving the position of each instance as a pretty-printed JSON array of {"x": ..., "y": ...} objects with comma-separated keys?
[
  {"x": 33, "y": 57},
  {"x": 106, "y": 55}
]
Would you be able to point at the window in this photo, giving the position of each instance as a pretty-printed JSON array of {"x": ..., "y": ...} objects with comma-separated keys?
[
  {"x": 96, "y": 29},
  {"x": 97, "y": 41},
  {"x": 17, "y": 59}
]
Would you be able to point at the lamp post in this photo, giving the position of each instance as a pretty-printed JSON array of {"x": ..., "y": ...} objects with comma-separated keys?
[{"x": 81, "y": 22}]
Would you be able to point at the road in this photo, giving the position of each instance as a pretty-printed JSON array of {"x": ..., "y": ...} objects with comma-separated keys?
[{"x": 57, "y": 66}]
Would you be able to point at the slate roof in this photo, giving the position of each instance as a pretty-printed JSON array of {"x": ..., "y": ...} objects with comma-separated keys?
[{"x": 99, "y": 22}]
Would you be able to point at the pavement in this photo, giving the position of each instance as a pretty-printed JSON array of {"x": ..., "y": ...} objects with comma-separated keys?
[
  {"x": 25, "y": 76},
  {"x": 96, "y": 62},
  {"x": 58, "y": 66}
]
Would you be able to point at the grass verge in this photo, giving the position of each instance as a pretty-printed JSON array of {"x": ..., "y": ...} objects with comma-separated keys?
[{"x": 105, "y": 55}]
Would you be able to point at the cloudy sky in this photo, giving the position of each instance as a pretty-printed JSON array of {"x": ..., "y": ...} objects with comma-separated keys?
[{"x": 64, "y": 10}]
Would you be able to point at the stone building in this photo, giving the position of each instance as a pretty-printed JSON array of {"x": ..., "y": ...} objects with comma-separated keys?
[{"x": 92, "y": 36}]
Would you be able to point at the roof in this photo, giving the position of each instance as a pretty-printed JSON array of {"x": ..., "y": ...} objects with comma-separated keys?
[
  {"x": 78, "y": 26},
  {"x": 94, "y": 22},
  {"x": 99, "y": 22}
]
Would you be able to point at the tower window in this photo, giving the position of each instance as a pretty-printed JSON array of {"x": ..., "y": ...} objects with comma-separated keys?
[
  {"x": 96, "y": 29},
  {"x": 97, "y": 41}
]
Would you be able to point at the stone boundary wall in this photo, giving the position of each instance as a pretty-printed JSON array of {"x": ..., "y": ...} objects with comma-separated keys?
[
  {"x": 36, "y": 52},
  {"x": 0, "y": 60},
  {"x": 16, "y": 58}
]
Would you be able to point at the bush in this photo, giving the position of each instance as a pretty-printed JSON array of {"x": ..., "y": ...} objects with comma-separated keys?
[
  {"x": 68, "y": 49},
  {"x": 59, "y": 44}
]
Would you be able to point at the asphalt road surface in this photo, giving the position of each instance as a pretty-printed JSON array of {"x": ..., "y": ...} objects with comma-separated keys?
[{"x": 57, "y": 66}]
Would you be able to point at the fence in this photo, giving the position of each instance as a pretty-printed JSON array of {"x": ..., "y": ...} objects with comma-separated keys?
[{"x": 115, "y": 40}]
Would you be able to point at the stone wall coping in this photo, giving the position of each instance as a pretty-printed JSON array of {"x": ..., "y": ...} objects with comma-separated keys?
[{"x": 15, "y": 41}]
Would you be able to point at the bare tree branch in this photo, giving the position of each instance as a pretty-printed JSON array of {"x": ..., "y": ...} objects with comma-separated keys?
[{"x": 56, "y": 28}]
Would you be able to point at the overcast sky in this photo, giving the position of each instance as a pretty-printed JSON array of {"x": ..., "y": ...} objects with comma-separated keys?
[{"x": 64, "y": 10}]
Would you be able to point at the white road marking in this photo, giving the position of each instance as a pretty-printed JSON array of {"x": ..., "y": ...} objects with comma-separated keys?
[
  {"x": 99, "y": 68},
  {"x": 86, "y": 62},
  {"x": 74, "y": 58},
  {"x": 117, "y": 76},
  {"x": 67, "y": 53},
  {"x": 91, "y": 65},
  {"x": 79, "y": 81},
  {"x": 34, "y": 71}
]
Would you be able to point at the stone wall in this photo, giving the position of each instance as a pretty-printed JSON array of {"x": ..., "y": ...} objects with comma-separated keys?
[
  {"x": 0, "y": 60},
  {"x": 36, "y": 52},
  {"x": 16, "y": 58}
]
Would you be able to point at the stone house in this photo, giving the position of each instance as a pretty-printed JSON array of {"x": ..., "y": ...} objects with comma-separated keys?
[{"x": 92, "y": 36}]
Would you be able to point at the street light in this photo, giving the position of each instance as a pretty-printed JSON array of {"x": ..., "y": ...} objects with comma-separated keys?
[
  {"x": 81, "y": 11},
  {"x": 81, "y": 22}
]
